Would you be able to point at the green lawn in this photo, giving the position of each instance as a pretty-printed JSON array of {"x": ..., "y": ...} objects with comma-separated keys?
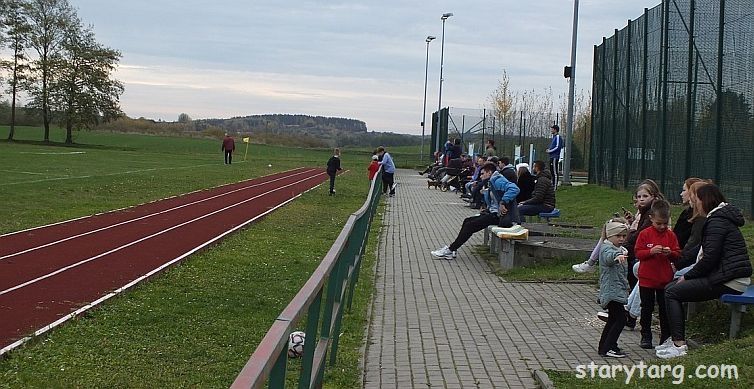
[{"x": 197, "y": 324}]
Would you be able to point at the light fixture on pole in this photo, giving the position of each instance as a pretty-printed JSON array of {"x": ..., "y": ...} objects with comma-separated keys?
[
  {"x": 424, "y": 110},
  {"x": 571, "y": 82},
  {"x": 444, "y": 17}
]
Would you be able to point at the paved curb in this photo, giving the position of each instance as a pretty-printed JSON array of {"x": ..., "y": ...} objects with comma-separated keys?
[{"x": 543, "y": 381}]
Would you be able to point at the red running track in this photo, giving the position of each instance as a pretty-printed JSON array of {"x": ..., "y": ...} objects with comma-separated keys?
[{"x": 52, "y": 273}]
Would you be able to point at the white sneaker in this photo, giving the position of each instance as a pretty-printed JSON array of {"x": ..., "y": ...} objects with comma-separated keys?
[
  {"x": 583, "y": 267},
  {"x": 672, "y": 352},
  {"x": 666, "y": 344},
  {"x": 444, "y": 253},
  {"x": 602, "y": 315}
]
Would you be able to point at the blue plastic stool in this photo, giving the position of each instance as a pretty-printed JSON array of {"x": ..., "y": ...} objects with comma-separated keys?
[{"x": 548, "y": 215}]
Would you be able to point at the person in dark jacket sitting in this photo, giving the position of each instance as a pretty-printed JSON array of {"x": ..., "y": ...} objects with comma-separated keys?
[
  {"x": 543, "y": 197},
  {"x": 723, "y": 265},
  {"x": 525, "y": 182}
]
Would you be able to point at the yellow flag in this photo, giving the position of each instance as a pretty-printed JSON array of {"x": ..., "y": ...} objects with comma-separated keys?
[{"x": 246, "y": 140}]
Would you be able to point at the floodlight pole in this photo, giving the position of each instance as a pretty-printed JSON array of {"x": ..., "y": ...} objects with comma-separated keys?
[
  {"x": 424, "y": 110},
  {"x": 571, "y": 82},
  {"x": 444, "y": 17}
]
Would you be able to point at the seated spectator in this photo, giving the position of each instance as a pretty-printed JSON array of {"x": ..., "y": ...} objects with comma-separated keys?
[
  {"x": 475, "y": 180},
  {"x": 507, "y": 170},
  {"x": 723, "y": 267},
  {"x": 500, "y": 199},
  {"x": 543, "y": 196},
  {"x": 525, "y": 182}
]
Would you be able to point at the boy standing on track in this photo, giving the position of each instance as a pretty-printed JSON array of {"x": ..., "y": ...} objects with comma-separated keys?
[{"x": 333, "y": 167}]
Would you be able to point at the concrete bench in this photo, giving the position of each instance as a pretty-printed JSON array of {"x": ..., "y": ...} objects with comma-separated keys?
[{"x": 738, "y": 304}]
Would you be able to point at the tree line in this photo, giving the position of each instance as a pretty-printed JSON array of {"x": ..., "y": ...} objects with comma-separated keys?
[{"x": 57, "y": 65}]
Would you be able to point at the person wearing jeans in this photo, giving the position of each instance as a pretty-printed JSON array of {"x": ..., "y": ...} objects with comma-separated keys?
[
  {"x": 500, "y": 200},
  {"x": 723, "y": 268},
  {"x": 543, "y": 197},
  {"x": 388, "y": 171}
]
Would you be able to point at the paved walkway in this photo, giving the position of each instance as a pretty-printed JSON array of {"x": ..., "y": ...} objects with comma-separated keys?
[{"x": 453, "y": 324}]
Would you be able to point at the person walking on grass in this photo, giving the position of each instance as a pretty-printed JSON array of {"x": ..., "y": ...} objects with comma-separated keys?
[
  {"x": 388, "y": 171},
  {"x": 333, "y": 167},
  {"x": 228, "y": 146}
]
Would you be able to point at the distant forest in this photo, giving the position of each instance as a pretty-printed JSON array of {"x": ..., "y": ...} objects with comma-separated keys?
[{"x": 296, "y": 130}]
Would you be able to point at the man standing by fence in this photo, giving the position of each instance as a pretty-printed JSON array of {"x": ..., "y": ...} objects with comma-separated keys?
[
  {"x": 555, "y": 146},
  {"x": 388, "y": 171}
]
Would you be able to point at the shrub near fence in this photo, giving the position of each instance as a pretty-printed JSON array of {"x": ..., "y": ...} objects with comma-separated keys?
[{"x": 337, "y": 276}]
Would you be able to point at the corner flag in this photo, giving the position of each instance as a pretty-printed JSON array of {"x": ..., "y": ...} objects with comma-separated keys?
[{"x": 246, "y": 140}]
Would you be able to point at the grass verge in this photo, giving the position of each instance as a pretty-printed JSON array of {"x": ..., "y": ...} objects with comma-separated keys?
[{"x": 197, "y": 324}]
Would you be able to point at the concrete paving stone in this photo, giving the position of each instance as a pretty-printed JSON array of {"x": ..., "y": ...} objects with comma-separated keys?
[{"x": 434, "y": 321}]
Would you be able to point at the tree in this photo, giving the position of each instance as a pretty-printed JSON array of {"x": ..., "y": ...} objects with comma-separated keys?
[
  {"x": 17, "y": 30},
  {"x": 502, "y": 100},
  {"x": 82, "y": 88},
  {"x": 49, "y": 20},
  {"x": 184, "y": 118}
]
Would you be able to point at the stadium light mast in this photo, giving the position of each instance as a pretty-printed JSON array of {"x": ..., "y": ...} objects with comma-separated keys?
[
  {"x": 424, "y": 110},
  {"x": 571, "y": 82},
  {"x": 444, "y": 17}
]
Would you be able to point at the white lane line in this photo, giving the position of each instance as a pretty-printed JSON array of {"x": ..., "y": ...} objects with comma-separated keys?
[
  {"x": 141, "y": 218},
  {"x": 131, "y": 284},
  {"x": 109, "y": 174},
  {"x": 149, "y": 202},
  {"x": 22, "y": 172},
  {"x": 27, "y": 283}
]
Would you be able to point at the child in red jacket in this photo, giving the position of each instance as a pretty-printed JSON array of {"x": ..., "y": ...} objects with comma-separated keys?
[
  {"x": 373, "y": 167},
  {"x": 655, "y": 248}
]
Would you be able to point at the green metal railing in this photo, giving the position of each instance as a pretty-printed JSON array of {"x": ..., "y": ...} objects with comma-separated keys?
[{"x": 335, "y": 278}]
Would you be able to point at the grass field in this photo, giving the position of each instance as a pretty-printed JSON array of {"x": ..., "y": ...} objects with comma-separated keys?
[{"x": 197, "y": 324}]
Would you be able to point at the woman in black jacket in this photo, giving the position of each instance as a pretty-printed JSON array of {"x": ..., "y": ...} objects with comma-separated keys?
[{"x": 723, "y": 267}]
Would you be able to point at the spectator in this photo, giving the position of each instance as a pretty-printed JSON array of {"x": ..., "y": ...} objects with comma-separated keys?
[
  {"x": 723, "y": 266},
  {"x": 525, "y": 182},
  {"x": 373, "y": 167},
  {"x": 228, "y": 146},
  {"x": 388, "y": 171},
  {"x": 500, "y": 200},
  {"x": 507, "y": 170},
  {"x": 490, "y": 150},
  {"x": 613, "y": 286},
  {"x": 655, "y": 248},
  {"x": 543, "y": 196},
  {"x": 554, "y": 151}
]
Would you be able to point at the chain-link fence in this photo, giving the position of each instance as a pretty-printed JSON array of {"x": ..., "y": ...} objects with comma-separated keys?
[
  {"x": 478, "y": 125},
  {"x": 672, "y": 95}
]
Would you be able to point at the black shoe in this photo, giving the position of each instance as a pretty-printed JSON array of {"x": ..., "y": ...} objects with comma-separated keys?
[
  {"x": 646, "y": 341},
  {"x": 630, "y": 321},
  {"x": 475, "y": 206}
]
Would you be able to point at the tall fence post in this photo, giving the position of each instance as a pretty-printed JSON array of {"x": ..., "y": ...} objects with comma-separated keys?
[
  {"x": 664, "y": 83},
  {"x": 627, "y": 129},
  {"x": 645, "y": 68},
  {"x": 689, "y": 91},
  {"x": 719, "y": 113},
  {"x": 614, "y": 121},
  {"x": 603, "y": 114},
  {"x": 596, "y": 97}
]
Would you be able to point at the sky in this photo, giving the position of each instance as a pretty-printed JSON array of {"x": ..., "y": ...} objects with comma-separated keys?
[{"x": 358, "y": 59}]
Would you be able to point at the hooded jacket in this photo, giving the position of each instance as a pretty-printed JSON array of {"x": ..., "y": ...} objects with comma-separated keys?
[
  {"x": 724, "y": 257},
  {"x": 501, "y": 190},
  {"x": 613, "y": 282},
  {"x": 544, "y": 192}
]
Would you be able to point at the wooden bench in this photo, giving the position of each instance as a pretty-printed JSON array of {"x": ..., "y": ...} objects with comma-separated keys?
[{"x": 738, "y": 304}]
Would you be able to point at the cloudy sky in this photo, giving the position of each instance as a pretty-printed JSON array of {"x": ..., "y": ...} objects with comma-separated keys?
[{"x": 357, "y": 59}]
